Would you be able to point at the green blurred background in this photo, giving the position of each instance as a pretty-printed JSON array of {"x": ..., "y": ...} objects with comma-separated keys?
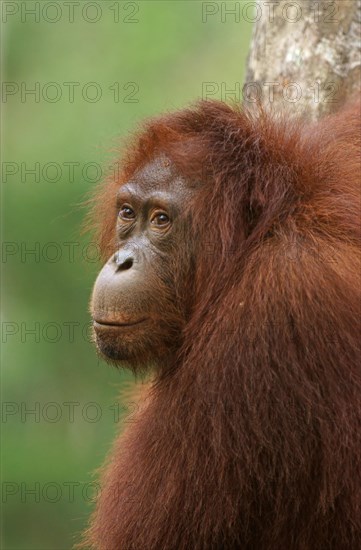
[{"x": 167, "y": 50}]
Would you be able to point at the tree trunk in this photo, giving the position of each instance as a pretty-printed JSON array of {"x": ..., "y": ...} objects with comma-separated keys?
[{"x": 305, "y": 55}]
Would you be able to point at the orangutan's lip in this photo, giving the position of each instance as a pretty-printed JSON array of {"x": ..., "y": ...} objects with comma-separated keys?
[{"x": 105, "y": 324}]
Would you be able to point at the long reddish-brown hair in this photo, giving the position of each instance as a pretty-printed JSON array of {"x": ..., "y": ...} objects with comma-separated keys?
[{"x": 251, "y": 439}]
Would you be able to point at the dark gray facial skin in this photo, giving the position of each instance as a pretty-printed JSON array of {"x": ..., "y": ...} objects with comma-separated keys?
[{"x": 135, "y": 306}]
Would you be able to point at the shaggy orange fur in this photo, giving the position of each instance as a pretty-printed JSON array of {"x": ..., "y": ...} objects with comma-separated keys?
[{"x": 251, "y": 438}]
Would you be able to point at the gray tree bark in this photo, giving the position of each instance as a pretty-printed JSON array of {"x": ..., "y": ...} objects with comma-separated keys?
[{"x": 305, "y": 55}]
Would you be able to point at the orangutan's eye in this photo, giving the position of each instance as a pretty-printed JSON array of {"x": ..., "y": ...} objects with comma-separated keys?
[
  {"x": 160, "y": 219},
  {"x": 126, "y": 213}
]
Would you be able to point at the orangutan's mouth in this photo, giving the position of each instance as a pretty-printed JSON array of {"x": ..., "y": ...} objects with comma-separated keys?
[{"x": 104, "y": 324}]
